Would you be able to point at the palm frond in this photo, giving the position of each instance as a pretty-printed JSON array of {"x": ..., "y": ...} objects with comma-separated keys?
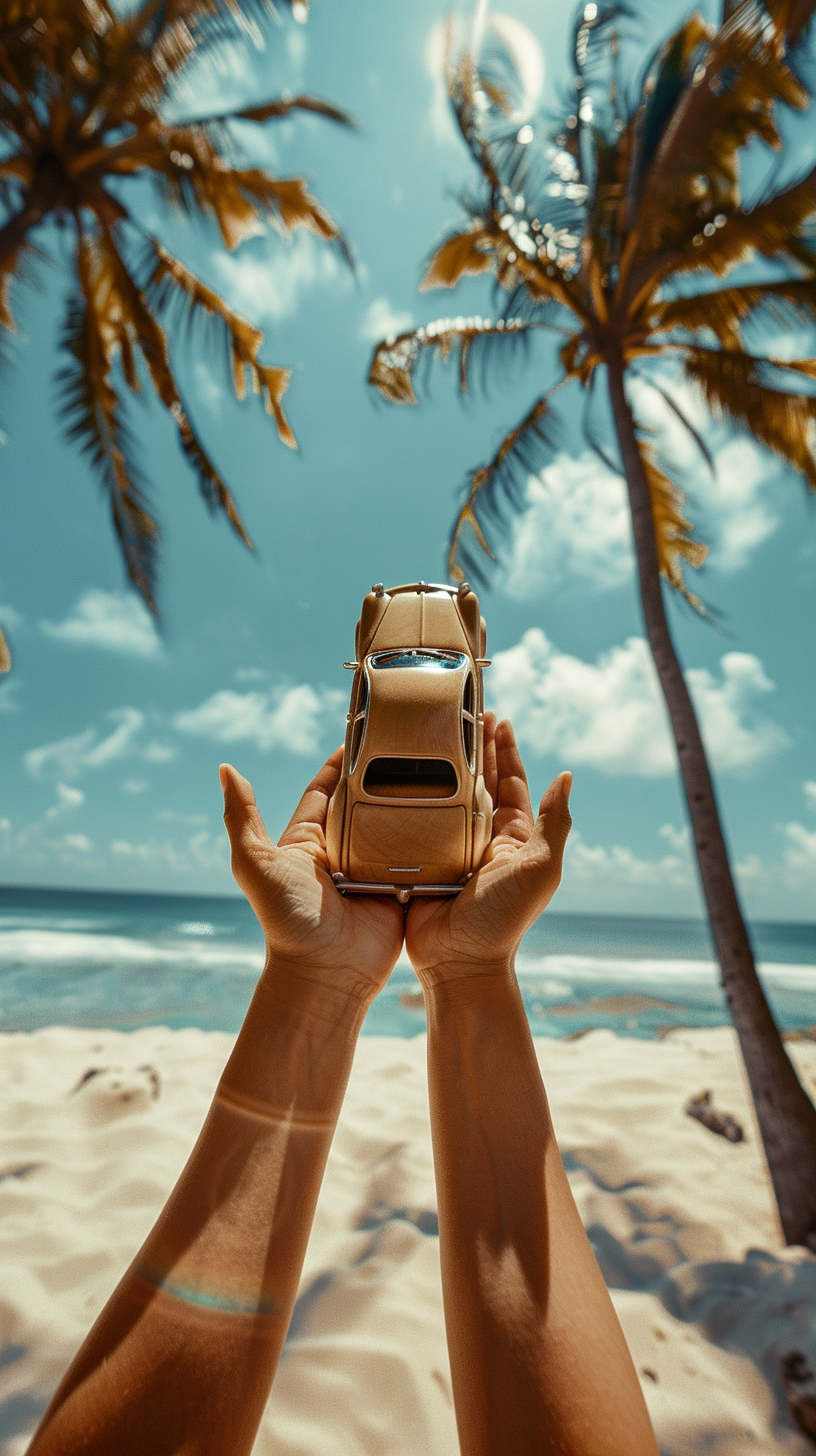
[
  {"x": 791, "y": 18},
  {"x": 675, "y": 544},
  {"x": 723, "y": 309},
  {"x": 464, "y": 254},
  {"x": 734, "y": 80},
  {"x": 169, "y": 283},
  {"x": 92, "y": 415},
  {"x": 773, "y": 228},
  {"x": 152, "y": 341},
  {"x": 681, "y": 415},
  {"x": 275, "y": 110},
  {"x": 734, "y": 387},
  {"x": 498, "y": 489},
  {"x": 395, "y": 360}
]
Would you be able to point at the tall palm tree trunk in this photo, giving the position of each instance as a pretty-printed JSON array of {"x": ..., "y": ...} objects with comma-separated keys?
[{"x": 786, "y": 1116}]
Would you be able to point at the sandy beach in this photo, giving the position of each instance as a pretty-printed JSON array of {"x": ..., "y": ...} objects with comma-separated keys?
[{"x": 681, "y": 1221}]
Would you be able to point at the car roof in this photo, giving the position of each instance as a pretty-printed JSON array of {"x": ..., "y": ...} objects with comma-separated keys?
[{"x": 419, "y": 618}]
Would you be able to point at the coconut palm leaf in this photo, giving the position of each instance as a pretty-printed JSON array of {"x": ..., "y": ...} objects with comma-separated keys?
[
  {"x": 395, "y": 360},
  {"x": 170, "y": 282},
  {"x": 735, "y": 387},
  {"x": 675, "y": 544},
  {"x": 85, "y": 93},
  {"x": 723, "y": 309},
  {"x": 91, "y": 409},
  {"x": 497, "y": 490}
]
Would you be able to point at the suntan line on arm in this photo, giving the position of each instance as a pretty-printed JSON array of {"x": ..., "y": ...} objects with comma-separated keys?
[{"x": 182, "y": 1357}]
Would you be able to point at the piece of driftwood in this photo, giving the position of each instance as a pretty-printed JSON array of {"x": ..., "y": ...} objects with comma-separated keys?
[
  {"x": 800, "y": 1391},
  {"x": 700, "y": 1107},
  {"x": 610, "y": 1006},
  {"x": 807, "y": 1033}
]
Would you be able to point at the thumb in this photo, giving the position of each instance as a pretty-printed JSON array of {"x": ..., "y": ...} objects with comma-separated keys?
[
  {"x": 242, "y": 819},
  {"x": 554, "y": 822}
]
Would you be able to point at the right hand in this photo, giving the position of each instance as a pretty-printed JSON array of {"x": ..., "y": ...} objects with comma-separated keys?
[
  {"x": 313, "y": 933},
  {"x": 478, "y": 931}
]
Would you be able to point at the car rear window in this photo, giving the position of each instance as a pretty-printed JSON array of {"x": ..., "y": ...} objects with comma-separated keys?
[
  {"x": 433, "y": 660},
  {"x": 410, "y": 778}
]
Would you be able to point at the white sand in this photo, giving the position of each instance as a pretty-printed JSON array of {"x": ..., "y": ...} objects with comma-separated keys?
[{"x": 681, "y": 1220}]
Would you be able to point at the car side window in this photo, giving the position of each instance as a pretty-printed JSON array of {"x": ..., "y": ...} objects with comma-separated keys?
[
  {"x": 469, "y": 719},
  {"x": 359, "y": 720}
]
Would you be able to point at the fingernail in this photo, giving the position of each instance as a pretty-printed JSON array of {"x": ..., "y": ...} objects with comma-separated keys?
[{"x": 566, "y": 779}]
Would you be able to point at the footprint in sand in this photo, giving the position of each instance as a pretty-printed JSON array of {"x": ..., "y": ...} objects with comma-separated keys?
[{"x": 110, "y": 1092}]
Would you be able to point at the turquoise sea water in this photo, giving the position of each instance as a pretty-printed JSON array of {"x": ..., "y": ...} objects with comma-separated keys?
[{"x": 81, "y": 958}]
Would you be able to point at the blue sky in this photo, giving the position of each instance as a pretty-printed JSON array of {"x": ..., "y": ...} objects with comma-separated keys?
[{"x": 111, "y": 734}]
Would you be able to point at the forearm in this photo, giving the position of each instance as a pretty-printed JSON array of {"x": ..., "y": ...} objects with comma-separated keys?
[
  {"x": 183, "y": 1355},
  {"x": 538, "y": 1360}
]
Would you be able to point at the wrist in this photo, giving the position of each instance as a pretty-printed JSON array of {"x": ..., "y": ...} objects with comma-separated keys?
[
  {"x": 294, "y": 1051},
  {"x": 324, "y": 990},
  {"x": 468, "y": 970}
]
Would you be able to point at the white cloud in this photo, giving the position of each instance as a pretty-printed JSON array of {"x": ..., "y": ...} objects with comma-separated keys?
[
  {"x": 67, "y": 798},
  {"x": 679, "y": 839},
  {"x": 10, "y": 618},
  {"x": 211, "y": 393},
  {"x": 201, "y": 851},
  {"x": 267, "y": 285},
  {"x": 488, "y": 30},
  {"x": 809, "y": 791},
  {"x": 381, "y": 321},
  {"x": 79, "y": 842},
  {"x": 114, "y": 621},
  {"x": 619, "y": 865},
  {"x": 522, "y": 48},
  {"x": 736, "y": 499},
  {"x": 800, "y": 854},
  {"x": 576, "y": 524},
  {"x": 134, "y": 786},
  {"x": 736, "y": 735},
  {"x": 291, "y": 718},
  {"x": 611, "y": 715},
  {"x": 732, "y": 508},
  {"x": 69, "y": 757},
  {"x": 440, "y": 120},
  {"x": 8, "y": 696}
]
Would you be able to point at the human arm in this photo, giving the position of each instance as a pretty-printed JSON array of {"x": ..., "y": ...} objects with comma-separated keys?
[
  {"x": 182, "y": 1357},
  {"x": 538, "y": 1360}
]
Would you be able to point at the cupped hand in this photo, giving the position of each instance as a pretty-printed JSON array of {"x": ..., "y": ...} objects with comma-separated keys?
[
  {"x": 312, "y": 931},
  {"x": 478, "y": 931}
]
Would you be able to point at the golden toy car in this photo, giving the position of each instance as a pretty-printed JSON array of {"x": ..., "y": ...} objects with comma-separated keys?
[{"x": 411, "y": 814}]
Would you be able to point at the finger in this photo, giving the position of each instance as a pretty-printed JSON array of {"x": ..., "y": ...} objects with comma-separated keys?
[
  {"x": 514, "y": 814},
  {"x": 241, "y": 815},
  {"x": 549, "y": 837},
  {"x": 491, "y": 773},
  {"x": 314, "y": 804}
]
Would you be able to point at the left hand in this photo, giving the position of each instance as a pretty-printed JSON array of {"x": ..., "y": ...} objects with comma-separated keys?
[
  {"x": 477, "y": 932},
  {"x": 348, "y": 943}
]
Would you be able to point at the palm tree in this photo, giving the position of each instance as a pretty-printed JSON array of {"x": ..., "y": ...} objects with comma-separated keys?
[
  {"x": 86, "y": 89},
  {"x": 623, "y": 231}
]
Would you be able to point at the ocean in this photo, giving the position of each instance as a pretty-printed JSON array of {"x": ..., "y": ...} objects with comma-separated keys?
[{"x": 94, "y": 958}]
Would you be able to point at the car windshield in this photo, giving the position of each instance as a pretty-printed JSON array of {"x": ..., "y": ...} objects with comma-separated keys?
[{"x": 431, "y": 659}]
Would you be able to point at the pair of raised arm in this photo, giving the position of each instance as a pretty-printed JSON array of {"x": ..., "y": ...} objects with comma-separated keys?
[{"x": 182, "y": 1358}]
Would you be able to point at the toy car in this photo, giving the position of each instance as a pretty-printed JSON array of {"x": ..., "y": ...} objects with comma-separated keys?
[{"x": 411, "y": 814}]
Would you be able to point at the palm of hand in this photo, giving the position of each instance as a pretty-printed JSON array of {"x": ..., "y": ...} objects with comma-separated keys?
[
  {"x": 352, "y": 944},
  {"x": 519, "y": 874}
]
